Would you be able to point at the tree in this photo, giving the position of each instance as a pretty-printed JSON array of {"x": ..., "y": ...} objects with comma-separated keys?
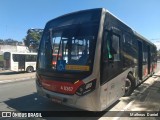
[
  {"x": 1, "y": 42},
  {"x": 32, "y": 39}
]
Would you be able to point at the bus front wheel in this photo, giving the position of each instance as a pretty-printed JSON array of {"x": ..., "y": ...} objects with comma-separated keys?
[
  {"x": 29, "y": 69},
  {"x": 130, "y": 84}
]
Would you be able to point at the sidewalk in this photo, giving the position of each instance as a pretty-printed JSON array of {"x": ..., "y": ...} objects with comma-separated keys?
[{"x": 147, "y": 101}]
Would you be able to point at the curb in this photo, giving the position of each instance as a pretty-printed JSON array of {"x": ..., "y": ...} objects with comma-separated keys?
[{"x": 15, "y": 80}]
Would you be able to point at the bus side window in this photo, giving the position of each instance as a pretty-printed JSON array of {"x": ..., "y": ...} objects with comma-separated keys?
[
  {"x": 15, "y": 57},
  {"x": 107, "y": 55},
  {"x": 30, "y": 58},
  {"x": 111, "y": 47},
  {"x": 115, "y": 47},
  {"x": 110, "y": 56}
]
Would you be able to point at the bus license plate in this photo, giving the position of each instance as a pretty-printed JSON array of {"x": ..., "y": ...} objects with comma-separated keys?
[{"x": 57, "y": 100}]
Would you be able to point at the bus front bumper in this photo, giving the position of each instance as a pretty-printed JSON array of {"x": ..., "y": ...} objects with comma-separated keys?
[{"x": 87, "y": 102}]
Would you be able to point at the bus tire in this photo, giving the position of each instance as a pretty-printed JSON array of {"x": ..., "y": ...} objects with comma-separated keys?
[
  {"x": 29, "y": 69},
  {"x": 129, "y": 85}
]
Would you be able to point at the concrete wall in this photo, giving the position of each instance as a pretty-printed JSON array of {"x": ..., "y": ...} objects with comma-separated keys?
[{"x": 11, "y": 48}]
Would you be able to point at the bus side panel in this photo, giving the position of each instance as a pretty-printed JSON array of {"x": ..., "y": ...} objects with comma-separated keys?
[
  {"x": 32, "y": 64},
  {"x": 113, "y": 90},
  {"x": 113, "y": 73},
  {"x": 14, "y": 65}
]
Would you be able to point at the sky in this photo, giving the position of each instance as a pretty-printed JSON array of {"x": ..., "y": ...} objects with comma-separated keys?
[{"x": 17, "y": 16}]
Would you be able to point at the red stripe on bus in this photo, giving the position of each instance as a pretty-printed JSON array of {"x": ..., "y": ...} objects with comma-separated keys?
[
  {"x": 61, "y": 87},
  {"x": 145, "y": 71}
]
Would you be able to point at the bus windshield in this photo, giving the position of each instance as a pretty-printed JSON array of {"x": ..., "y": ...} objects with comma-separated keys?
[
  {"x": 73, "y": 46},
  {"x": 68, "y": 42}
]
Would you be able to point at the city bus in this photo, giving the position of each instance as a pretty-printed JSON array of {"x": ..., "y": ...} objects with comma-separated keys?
[
  {"x": 16, "y": 61},
  {"x": 101, "y": 59}
]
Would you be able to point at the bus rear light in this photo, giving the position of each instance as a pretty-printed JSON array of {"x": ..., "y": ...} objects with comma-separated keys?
[{"x": 86, "y": 88}]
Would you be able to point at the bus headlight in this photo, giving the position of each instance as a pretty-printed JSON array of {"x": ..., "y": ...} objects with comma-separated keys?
[{"x": 86, "y": 88}]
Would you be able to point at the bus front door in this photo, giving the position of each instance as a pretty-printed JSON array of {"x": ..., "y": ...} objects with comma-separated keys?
[
  {"x": 149, "y": 60},
  {"x": 140, "y": 58},
  {"x": 21, "y": 62}
]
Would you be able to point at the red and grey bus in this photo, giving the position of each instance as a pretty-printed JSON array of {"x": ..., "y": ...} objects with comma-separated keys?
[{"x": 101, "y": 59}]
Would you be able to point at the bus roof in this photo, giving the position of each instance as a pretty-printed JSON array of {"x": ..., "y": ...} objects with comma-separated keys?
[
  {"x": 143, "y": 38},
  {"x": 76, "y": 12}
]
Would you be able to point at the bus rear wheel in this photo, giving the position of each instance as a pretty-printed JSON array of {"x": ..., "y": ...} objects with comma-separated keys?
[
  {"x": 130, "y": 84},
  {"x": 29, "y": 69}
]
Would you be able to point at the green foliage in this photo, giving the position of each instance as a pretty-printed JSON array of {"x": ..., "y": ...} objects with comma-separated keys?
[
  {"x": 1, "y": 61},
  {"x": 32, "y": 39},
  {"x": 34, "y": 36},
  {"x": 158, "y": 52},
  {"x": 1, "y": 58}
]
